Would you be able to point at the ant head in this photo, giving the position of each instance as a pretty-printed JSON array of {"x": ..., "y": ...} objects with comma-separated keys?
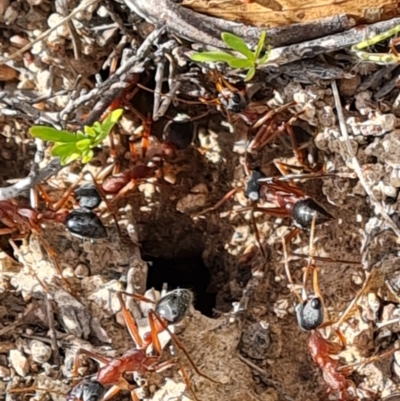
[
  {"x": 310, "y": 313},
  {"x": 88, "y": 196},
  {"x": 233, "y": 101},
  {"x": 303, "y": 212},
  {"x": 174, "y": 305},
  {"x": 252, "y": 189}
]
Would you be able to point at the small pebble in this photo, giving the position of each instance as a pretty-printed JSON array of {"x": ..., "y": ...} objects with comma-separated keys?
[
  {"x": 19, "y": 362},
  {"x": 41, "y": 352},
  {"x": 68, "y": 272},
  {"x": 82, "y": 271}
]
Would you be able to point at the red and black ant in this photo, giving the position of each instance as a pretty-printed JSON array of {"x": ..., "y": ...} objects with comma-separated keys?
[
  {"x": 289, "y": 200},
  {"x": 169, "y": 310},
  {"x": 310, "y": 314}
]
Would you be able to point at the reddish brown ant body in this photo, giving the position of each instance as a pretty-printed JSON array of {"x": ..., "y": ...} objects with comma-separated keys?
[{"x": 293, "y": 203}]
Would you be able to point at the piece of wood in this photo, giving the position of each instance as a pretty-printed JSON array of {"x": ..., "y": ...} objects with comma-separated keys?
[{"x": 273, "y": 13}]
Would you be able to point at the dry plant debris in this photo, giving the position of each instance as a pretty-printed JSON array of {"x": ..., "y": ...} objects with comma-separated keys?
[{"x": 63, "y": 64}]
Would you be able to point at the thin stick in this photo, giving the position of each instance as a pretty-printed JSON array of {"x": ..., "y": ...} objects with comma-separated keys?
[{"x": 53, "y": 336}]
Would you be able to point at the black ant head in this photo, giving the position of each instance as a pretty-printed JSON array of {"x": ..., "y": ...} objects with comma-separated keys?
[
  {"x": 86, "y": 391},
  {"x": 86, "y": 224},
  {"x": 233, "y": 101},
  {"x": 174, "y": 305},
  {"x": 310, "y": 314},
  {"x": 88, "y": 196},
  {"x": 252, "y": 189},
  {"x": 303, "y": 212}
]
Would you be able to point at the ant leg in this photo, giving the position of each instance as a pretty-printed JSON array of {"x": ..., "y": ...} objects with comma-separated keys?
[
  {"x": 257, "y": 235},
  {"x": 114, "y": 390},
  {"x": 326, "y": 259},
  {"x": 354, "y": 301},
  {"x": 123, "y": 191},
  {"x": 310, "y": 265},
  {"x": 129, "y": 320},
  {"x": 154, "y": 333},
  {"x": 292, "y": 234},
  {"x": 10, "y": 230},
  {"x": 219, "y": 203},
  {"x": 188, "y": 382},
  {"x": 59, "y": 204},
  {"x": 348, "y": 369},
  {"x": 146, "y": 123},
  {"x": 263, "y": 136},
  {"x": 273, "y": 211},
  {"x": 134, "y": 396},
  {"x": 104, "y": 197},
  {"x": 300, "y": 155},
  {"x": 279, "y": 186},
  {"x": 179, "y": 344},
  {"x": 96, "y": 357},
  {"x": 288, "y": 274}
]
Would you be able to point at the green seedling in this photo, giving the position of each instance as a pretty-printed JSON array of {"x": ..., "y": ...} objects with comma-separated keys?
[
  {"x": 69, "y": 146},
  {"x": 250, "y": 61}
]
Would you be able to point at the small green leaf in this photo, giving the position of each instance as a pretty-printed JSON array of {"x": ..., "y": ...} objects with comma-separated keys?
[
  {"x": 90, "y": 131},
  {"x": 87, "y": 156},
  {"x": 241, "y": 63},
  {"x": 99, "y": 127},
  {"x": 83, "y": 144},
  {"x": 106, "y": 126},
  {"x": 63, "y": 149},
  {"x": 260, "y": 45},
  {"x": 51, "y": 134},
  {"x": 237, "y": 44},
  {"x": 250, "y": 74},
  {"x": 70, "y": 158},
  {"x": 216, "y": 56}
]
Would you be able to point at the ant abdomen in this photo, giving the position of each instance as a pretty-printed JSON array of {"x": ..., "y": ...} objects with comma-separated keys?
[
  {"x": 303, "y": 212},
  {"x": 84, "y": 223},
  {"x": 174, "y": 306}
]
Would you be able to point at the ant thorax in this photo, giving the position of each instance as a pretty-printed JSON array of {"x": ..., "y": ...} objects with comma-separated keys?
[{"x": 310, "y": 314}]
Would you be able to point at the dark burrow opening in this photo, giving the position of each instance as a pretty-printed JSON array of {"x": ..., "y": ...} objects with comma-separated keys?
[{"x": 187, "y": 272}]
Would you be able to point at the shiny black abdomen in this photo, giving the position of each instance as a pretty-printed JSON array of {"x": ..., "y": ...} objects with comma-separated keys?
[
  {"x": 303, "y": 213},
  {"x": 84, "y": 223}
]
